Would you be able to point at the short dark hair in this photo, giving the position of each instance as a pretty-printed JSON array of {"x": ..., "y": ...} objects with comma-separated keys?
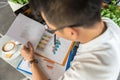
[{"x": 69, "y": 12}]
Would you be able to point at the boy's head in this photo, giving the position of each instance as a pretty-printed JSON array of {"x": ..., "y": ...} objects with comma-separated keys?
[{"x": 68, "y": 13}]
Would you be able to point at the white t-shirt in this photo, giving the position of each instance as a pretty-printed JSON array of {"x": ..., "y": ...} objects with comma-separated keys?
[{"x": 98, "y": 59}]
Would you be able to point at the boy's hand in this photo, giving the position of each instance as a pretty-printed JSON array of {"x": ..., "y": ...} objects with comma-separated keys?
[{"x": 28, "y": 52}]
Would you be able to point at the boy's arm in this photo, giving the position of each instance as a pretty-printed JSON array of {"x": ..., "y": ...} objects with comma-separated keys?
[
  {"x": 37, "y": 73},
  {"x": 28, "y": 54}
]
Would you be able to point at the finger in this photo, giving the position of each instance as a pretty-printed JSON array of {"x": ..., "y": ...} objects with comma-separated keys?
[
  {"x": 23, "y": 47},
  {"x": 21, "y": 50},
  {"x": 30, "y": 46}
]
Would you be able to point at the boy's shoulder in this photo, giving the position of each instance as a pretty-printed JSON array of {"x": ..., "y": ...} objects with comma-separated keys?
[{"x": 112, "y": 26}]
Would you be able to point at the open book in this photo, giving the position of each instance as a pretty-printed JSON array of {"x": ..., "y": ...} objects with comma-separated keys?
[{"x": 25, "y": 29}]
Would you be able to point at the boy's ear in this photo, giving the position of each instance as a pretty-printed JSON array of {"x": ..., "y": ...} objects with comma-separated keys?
[{"x": 71, "y": 33}]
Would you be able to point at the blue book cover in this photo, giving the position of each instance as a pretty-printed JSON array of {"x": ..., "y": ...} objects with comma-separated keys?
[{"x": 71, "y": 57}]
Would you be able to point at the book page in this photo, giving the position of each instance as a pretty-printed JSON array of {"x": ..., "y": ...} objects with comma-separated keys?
[
  {"x": 25, "y": 29},
  {"x": 55, "y": 53}
]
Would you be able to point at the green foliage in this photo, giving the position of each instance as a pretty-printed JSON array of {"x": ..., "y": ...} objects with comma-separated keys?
[
  {"x": 112, "y": 12},
  {"x": 20, "y": 1}
]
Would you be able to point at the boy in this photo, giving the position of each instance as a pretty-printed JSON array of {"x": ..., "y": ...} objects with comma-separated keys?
[{"x": 98, "y": 55}]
